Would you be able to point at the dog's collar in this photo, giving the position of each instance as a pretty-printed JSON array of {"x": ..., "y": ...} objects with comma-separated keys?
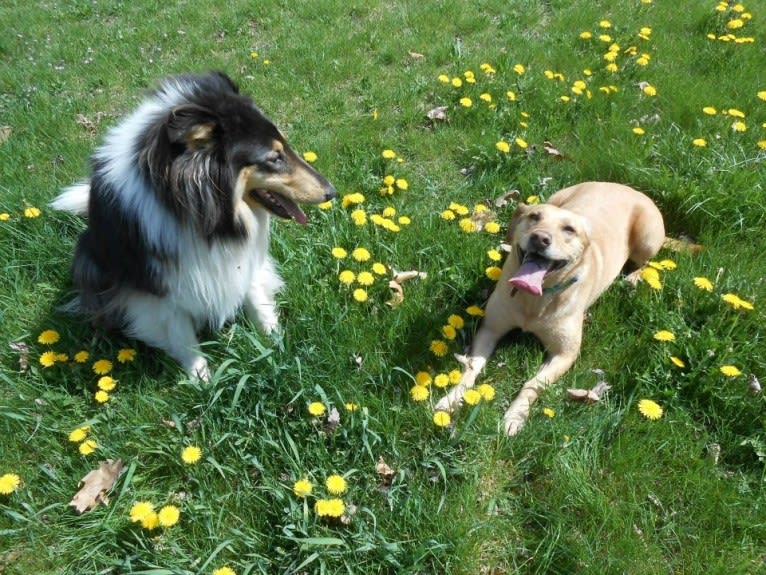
[
  {"x": 554, "y": 288},
  {"x": 560, "y": 287}
]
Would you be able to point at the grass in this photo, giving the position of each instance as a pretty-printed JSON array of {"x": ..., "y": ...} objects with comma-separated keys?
[{"x": 596, "y": 488}]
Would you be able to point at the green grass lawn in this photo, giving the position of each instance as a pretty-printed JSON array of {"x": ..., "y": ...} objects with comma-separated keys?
[{"x": 668, "y": 99}]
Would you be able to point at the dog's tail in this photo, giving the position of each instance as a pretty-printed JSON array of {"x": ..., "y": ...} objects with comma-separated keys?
[{"x": 73, "y": 199}]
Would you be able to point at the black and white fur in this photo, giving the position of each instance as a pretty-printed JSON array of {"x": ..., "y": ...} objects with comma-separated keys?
[{"x": 178, "y": 207}]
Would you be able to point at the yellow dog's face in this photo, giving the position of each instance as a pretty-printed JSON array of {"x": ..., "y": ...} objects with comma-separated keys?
[{"x": 554, "y": 236}]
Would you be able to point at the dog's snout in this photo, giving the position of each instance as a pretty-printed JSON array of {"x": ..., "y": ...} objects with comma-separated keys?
[
  {"x": 329, "y": 192},
  {"x": 540, "y": 240}
]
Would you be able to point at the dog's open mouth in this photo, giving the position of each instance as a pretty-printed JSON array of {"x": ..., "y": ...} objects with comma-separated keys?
[
  {"x": 278, "y": 205},
  {"x": 532, "y": 271}
]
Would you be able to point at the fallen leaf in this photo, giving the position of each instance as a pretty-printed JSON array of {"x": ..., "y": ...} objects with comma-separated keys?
[
  {"x": 510, "y": 195},
  {"x": 333, "y": 420},
  {"x": 23, "y": 350},
  {"x": 551, "y": 150},
  {"x": 95, "y": 486},
  {"x": 415, "y": 55},
  {"x": 591, "y": 395},
  {"x": 398, "y": 296},
  {"x": 482, "y": 218},
  {"x": 386, "y": 474},
  {"x": 438, "y": 114},
  {"x": 682, "y": 244},
  {"x": 753, "y": 385},
  {"x": 5, "y": 133},
  {"x": 348, "y": 514}
]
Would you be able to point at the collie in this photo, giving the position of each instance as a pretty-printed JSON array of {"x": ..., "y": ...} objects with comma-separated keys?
[{"x": 178, "y": 207}]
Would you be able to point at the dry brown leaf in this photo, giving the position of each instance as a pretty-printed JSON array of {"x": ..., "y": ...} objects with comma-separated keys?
[
  {"x": 23, "y": 350},
  {"x": 553, "y": 151},
  {"x": 415, "y": 55},
  {"x": 437, "y": 114},
  {"x": 482, "y": 218},
  {"x": 384, "y": 470},
  {"x": 95, "y": 486},
  {"x": 333, "y": 420},
  {"x": 398, "y": 296},
  {"x": 681, "y": 245},
  {"x": 5, "y": 133},
  {"x": 591, "y": 395},
  {"x": 510, "y": 195}
]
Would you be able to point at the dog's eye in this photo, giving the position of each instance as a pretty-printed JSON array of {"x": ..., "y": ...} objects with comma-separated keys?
[
  {"x": 276, "y": 160},
  {"x": 569, "y": 229},
  {"x": 535, "y": 216}
]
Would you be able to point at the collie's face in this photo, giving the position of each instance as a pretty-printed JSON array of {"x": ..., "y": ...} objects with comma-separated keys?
[{"x": 223, "y": 131}]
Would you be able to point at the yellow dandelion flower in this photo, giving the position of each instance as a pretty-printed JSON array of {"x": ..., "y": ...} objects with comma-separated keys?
[
  {"x": 225, "y": 570},
  {"x": 151, "y": 521},
  {"x": 360, "y": 295},
  {"x": 81, "y": 356},
  {"x": 378, "y": 268},
  {"x": 730, "y": 370},
  {"x": 48, "y": 358},
  {"x": 459, "y": 209},
  {"x": 5, "y": 216},
  {"x": 638, "y": 131},
  {"x": 402, "y": 184},
  {"x": 456, "y": 321},
  {"x": 466, "y": 102},
  {"x": 739, "y": 126},
  {"x": 448, "y": 215},
  {"x": 503, "y": 146},
  {"x": 317, "y": 409},
  {"x": 423, "y": 378},
  {"x": 77, "y": 435},
  {"x": 736, "y": 302},
  {"x": 664, "y": 335},
  {"x": 404, "y": 220},
  {"x": 140, "y": 510},
  {"x": 650, "y": 409},
  {"x": 511, "y": 95},
  {"x": 438, "y": 347},
  {"x": 302, "y": 488},
  {"x": 761, "y": 144},
  {"x": 467, "y": 225},
  {"x": 102, "y": 366},
  {"x": 443, "y": 78},
  {"x": 491, "y": 227},
  {"x": 494, "y": 255},
  {"x": 521, "y": 143},
  {"x": 699, "y": 142},
  {"x": 329, "y": 507},
  {"x": 441, "y": 380},
  {"x": 703, "y": 283},
  {"x": 471, "y": 397},
  {"x": 652, "y": 277},
  {"x": 169, "y": 515},
  {"x": 485, "y": 97},
  {"x": 419, "y": 393},
  {"x": 32, "y": 212},
  {"x": 486, "y": 391},
  {"x": 62, "y": 357},
  {"x": 586, "y": 35},
  {"x": 442, "y": 418},
  {"x": 310, "y": 157},
  {"x": 48, "y": 337},
  {"x": 359, "y": 217},
  {"x": 325, "y": 205},
  {"x": 519, "y": 69},
  {"x": 87, "y": 447},
  {"x": 493, "y": 273},
  {"x": 346, "y": 277},
  {"x": 360, "y": 254},
  {"x": 762, "y": 95},
  {"x": 106, "y": 383},
  {"x": 336, "y": 484},
  {"x": 474, "y": 311},
  {"x": 365, "y": 278},
  {"x": 677, "y": 361},
  {"x": 709, "y": 110},
  {"x": 455, "y": 376},
  {"x": 126, "y": 355},
  {"x": 191, "y": 454},
  {"x": 649, "y": 90},
  {"x": 605, "y": 24},
  {"x": 735, "y": 24},
  {"x": 350, "y": 406},
  {"x": 101, "y": 396},
  {"x": 549, "y": 412},
  {"x": 339, "y": 252},
  {"x": 9, "y": 482},
  {"x": 449, "y": 332}
]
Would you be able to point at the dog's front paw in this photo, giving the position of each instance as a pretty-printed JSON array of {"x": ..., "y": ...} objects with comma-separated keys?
[
  {"x": 512, "y": 423},
  {"x": 199, "y": 369},
  {"x": 450, "y": 402}
]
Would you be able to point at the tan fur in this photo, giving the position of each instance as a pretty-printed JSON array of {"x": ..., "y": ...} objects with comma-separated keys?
[{"x": 597, "y": 228}]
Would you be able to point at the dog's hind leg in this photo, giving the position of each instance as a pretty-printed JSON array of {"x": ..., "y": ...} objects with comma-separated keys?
[{"x": 169, "y": 329}]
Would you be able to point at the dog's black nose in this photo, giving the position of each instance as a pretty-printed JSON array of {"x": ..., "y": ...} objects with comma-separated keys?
[
  {"x": 540, "y": 240},
  {"x": 329, "y": 192}
]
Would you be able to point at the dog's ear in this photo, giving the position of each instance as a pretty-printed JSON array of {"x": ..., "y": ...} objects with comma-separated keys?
[
  {"x": 191, "y": 125},
  {"x": 521, "y": 209}
]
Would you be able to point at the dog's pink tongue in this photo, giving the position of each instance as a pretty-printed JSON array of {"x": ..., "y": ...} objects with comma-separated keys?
[
  {"x": 298, "y": 215},
  {"x": 529, "y": 277}
]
